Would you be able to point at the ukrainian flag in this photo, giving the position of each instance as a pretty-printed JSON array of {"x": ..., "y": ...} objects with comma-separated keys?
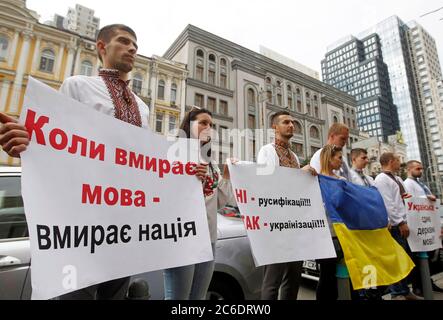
[{"x": 360, "y": 220}]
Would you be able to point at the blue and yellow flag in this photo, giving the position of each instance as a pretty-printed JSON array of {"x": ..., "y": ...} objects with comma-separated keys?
[{"x": 360, "y": 220}]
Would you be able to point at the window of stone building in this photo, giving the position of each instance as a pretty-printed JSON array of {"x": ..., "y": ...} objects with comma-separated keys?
[
  {"x": 251, "y": 97},
  {"x": 4, "y": 44},
  {"x": 298, "y": 149},
  {"x": 199, "y": 73},
  {"x": 47, "y": 61},
  {"x": 212, "y": 104},
  {"x": 211, "y": 77},
  {"x": 161, "y": 90},
  {"x": 159, "y": 122},
  {"x": 199, "y": 100},
  {"x": 200, "y": 53},
  {"x": 86, "y": 68},
  {"x": 298, "y": 128},
  {"x": 212, "y": 57},
  {"x": 223, "y": 81},
  {"x": 251, "y": 121},
  {"x": 316, "y": 112},
  {"x": 172, "y": 122},
  {"x": 223, "y": 108},
  {"x": 299, "y": 103},
  {"x": 173, "y": 93},
  {"x": 137, "y": 83},
  {"x": 314, "y": 133},
  {"x": 279, "y": 99}
]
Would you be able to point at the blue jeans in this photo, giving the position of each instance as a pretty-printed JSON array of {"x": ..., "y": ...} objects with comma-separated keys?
[
  {"x": 189, "y": 282},
  {"x": 400, "y": 288}
]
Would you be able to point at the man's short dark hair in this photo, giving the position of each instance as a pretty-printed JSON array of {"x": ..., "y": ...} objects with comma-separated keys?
[
  {"x": 357, "y": 152},
  {"x": 108, "y": 32},
  {"x": 274, "y": 118},
  {"x": 386, "y": 157},
  {"x": 412, "y": 163}
]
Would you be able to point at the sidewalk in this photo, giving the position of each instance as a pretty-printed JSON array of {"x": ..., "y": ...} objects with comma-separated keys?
[{"x": 438, "y": 279}]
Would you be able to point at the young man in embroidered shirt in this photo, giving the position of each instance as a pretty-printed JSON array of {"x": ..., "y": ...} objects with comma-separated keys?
[
  {"x": 393, "y": 192},
  {"x": 110, "y": 94},
  {"x": 359, "y": 162},
  {"x": 283, "y": 277},
  {"x": 416, "y": 188}
]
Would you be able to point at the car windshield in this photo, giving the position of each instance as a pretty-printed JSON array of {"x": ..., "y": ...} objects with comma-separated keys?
[{"x": 12, "y": 215}]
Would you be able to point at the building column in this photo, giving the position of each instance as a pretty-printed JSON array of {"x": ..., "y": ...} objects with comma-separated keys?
[
  {"x": 36, "y": 55},
  {"x": 69, "y": 62},
  {"x": 182, "y": 98},
  {"x": 6, "y": 84},
  {"x": 59, "y": 60},
  {"x": 77, "y": 62},
  {"x": 153, "y": 88},
  {"x": 14, "y": 107},
  {"x": 13, "y": 49}
]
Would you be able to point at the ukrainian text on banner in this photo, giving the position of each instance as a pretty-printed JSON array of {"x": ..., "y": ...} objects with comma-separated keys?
[
  {"x": 424, "y": 225},
  {"x": 283, "y": 214},
  {"x": 101, "y": 199}
]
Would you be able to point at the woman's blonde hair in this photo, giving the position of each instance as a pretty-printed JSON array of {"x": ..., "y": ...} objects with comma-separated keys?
[{"x": 327, "y": 153}]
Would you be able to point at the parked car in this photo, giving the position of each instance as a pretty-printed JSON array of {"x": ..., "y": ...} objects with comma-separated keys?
[{"x": 235, "y": 276}]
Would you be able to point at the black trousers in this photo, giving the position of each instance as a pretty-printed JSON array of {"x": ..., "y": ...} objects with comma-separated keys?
[
  {"x": 283, "y": 277},
  {"x": 110, "y": 290}
]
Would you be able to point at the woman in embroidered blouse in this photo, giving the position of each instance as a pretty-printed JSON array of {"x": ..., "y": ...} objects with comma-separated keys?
[{"x": 192, "y": 282}]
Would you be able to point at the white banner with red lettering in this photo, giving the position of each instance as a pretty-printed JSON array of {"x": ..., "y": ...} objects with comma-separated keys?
[
  {"x": 424, "y": 224},
  {"x": 101, "y": 200},
  {"x": 283, "y": 214}
]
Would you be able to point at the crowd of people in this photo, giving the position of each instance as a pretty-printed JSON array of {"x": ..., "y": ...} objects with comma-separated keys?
[{"x": 110, "y": 94}]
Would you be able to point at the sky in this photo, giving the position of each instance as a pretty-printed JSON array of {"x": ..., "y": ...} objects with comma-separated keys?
[{"x": 300, "y": 30}]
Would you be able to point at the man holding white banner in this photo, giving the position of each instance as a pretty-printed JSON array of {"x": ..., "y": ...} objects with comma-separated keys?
[
  {"x": 283, "y": 276},
  {"x": 415, "y": 187},
  {"x": 109, "y": 93}
]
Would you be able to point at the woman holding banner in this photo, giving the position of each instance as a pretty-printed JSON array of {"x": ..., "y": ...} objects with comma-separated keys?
[{"x": 192, "y": 282}]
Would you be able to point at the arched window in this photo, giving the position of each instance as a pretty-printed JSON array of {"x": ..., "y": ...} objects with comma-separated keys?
[
  {"x": 86, "y": 68},
  {"x": 212, "y": 57},
  {"x": 299, "y": 103},
  {"x": 268, "y": 80},
  {"x": 161, "y": 90},
  {"x": 47, "y": 61},
  {"x": 308, "y": 103},
  {"x": 199, "y": 68},
  {"x": 289, "y": 92},
  {"x": 4, "y": 43},
  {"x": 251, "y": 98},
  {"x": 173, "y": 93},
  {"x": 223, "y": 73},
  {"x": 298, "y": 128},
  {"x": 314, "y": 133},
  {"x": 335, "y": 119},
  {"x": 137, "y": 83},
  {"x": 316, "y": 112}
]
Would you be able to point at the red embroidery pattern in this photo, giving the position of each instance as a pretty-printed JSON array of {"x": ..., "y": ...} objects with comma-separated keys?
[{"x": 125, "y": 105}]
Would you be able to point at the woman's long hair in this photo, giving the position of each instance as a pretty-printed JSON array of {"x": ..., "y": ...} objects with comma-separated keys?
[
  {"x": 186, "y": 128},
  {"x": 328, "y": 152}
]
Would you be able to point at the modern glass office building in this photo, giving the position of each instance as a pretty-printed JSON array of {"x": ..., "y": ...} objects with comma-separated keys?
[
  {"x": 356, "y": 66},
  {"x": 398, "y": 84}
]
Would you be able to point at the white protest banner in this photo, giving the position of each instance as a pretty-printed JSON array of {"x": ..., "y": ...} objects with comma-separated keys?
[
  {"x": 424, "y": 225},
  {"x": 283, "y": 213},
  {"x": 101, "y": 199}
]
